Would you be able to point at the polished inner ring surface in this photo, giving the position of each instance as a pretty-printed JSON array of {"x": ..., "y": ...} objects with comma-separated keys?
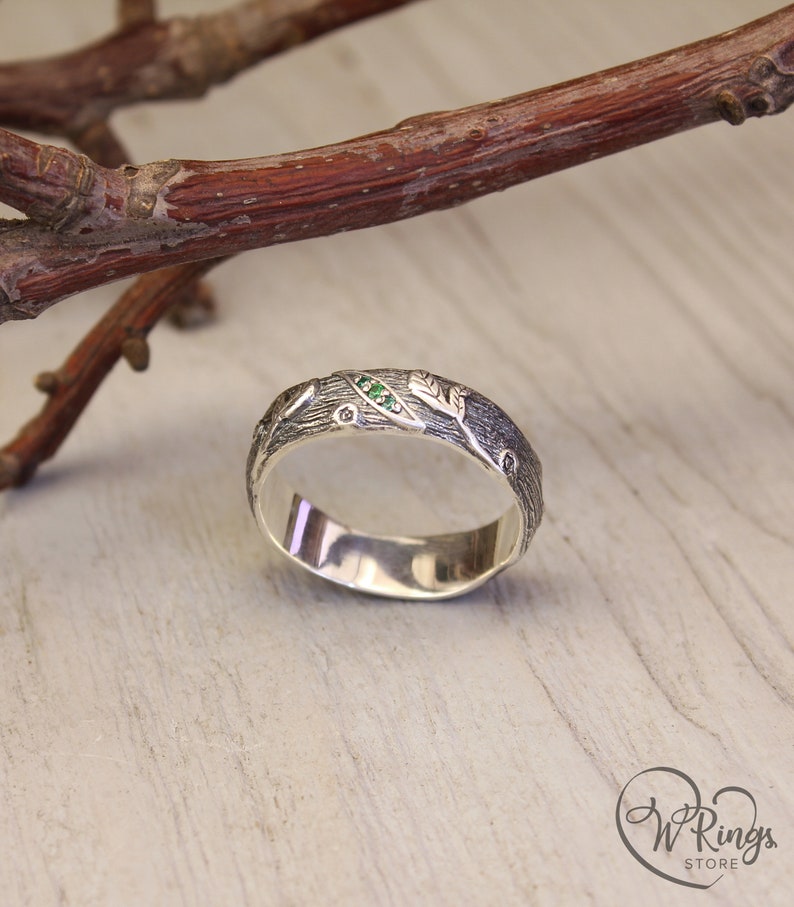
[{"x": 397, "y": 402}]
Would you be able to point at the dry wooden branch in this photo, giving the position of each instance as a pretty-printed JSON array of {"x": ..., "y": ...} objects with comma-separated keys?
[
  {"x": 89, "y": 225},
  {"x": 83, "y": 102},
  {"x": 149, "y": 60},
  {"x": 120, "y": 333}
]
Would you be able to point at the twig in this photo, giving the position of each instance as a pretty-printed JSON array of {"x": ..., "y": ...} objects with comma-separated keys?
[
  {"x": 73, "y": 96},
  {"x": 183, "y": 59},
  {"x": 149, "y": 60},
  {"x": 136, "y": 12},
  {"x": 113, "y": 223},
  {"x": 120, "y": 333}
]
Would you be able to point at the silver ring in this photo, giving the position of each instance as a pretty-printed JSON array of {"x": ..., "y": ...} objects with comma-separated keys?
[{"x": 393, "y": 402}]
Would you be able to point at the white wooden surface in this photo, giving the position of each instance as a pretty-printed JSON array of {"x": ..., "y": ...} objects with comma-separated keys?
[{"x": 186, "y": 720}]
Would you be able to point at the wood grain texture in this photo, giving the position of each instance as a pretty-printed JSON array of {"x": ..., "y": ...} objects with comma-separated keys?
[{"x": 185, "y": 719}]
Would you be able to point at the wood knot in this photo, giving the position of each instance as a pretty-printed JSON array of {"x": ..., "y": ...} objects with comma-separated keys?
[
  {"x": 77, "y": 174},
  {"x": 731, "y": 108},
  {"x": 145, "y": 185},
  {"x": 768, "y": 88},
  {"x": 136, "y": 351},
  {"x": 133, "y": 13},
  {"x": 10, "y": 470},
  {"x": 773, "y": 74},
  {"x": 47, "y": 383}
]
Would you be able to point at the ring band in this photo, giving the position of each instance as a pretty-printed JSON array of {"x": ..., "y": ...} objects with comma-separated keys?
[{"x": 394, "y": 402}]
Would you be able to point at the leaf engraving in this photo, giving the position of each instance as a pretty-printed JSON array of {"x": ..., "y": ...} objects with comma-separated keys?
[
  {"x": 457, "y": 400},
  {"x": 302, "y": 398},
  {"x": 427, "y": 388},
  {"x": 289, "y": 403},
  {"x": 379, "y": 396},
  {"x": 452, "y": 403}
]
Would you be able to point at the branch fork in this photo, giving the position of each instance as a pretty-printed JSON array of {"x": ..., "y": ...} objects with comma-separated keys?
[{"x": 92, "y": 218}]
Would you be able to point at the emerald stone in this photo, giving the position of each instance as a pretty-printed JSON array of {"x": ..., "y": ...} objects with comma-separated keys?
[
  {"x": 389, "y": 402},
  {"x": 364, "y": 379},
  {"x": 375, "y": 391}
]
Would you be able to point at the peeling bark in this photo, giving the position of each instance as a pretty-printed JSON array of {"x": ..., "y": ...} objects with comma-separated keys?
[
  {"x": 114, "y": 223},
  {"x": 93, "y": 218}
]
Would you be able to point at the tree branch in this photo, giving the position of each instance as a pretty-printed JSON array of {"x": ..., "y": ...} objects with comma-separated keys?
[
  {"x": 113, "y": 223},
  {"x": 149, "y": 60},
  {"x": 59, "y": 193},
  {"x": 121, "y": 332},
  {"x": 89, "y": 224}
]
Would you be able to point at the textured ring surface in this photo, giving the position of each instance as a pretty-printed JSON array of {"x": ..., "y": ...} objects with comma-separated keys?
[{"x": 397, "y": 402}]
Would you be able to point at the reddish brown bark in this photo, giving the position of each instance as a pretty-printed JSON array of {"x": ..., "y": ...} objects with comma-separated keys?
[
  {"x": 89, "y": 224},
  {"x": 264, "y": 28},
  {"x": 120, "y": 333},
  {"x": 149, "y": 60},
  {"x": 122, "y": 222}
]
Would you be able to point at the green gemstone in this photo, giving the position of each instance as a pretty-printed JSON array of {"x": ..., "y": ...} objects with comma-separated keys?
[
  {"x": 364, "y": 379},
  {"x": 375, "y": 391},
  {"x": 389, "y": 402}
]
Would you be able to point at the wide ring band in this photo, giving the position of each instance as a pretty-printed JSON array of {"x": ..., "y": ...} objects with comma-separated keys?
[{"x": 397, "y": 402}]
